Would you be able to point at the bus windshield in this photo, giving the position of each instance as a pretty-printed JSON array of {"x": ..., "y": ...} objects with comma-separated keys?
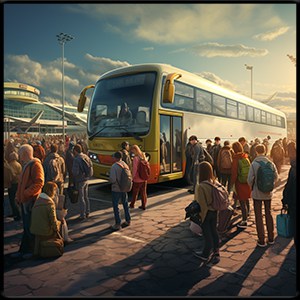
[{"x": 121, "y": 106}]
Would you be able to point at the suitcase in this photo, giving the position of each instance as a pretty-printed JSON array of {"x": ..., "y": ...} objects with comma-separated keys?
[
  {"x": 283, "y": 224},
  {"x": 224, "y": 218}
]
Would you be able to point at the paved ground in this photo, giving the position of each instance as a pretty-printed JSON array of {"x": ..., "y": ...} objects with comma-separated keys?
[{"x": 152, "y": 257}]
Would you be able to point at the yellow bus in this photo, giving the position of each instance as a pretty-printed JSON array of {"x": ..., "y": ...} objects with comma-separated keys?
[{"x": 166, "y": 105}]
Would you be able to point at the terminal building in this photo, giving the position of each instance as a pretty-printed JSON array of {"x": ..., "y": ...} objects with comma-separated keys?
[{"x": 25, "y": 113}]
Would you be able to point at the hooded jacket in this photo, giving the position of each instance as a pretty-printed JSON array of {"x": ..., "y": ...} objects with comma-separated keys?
[
  {"x": 43, "y": 217},
  {"x": 30, "y": 182}
]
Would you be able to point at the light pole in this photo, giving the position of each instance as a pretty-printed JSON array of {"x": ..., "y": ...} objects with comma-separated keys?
[
  {"x": 251, "y": 69},
  {"x": 62, "y": 39}
]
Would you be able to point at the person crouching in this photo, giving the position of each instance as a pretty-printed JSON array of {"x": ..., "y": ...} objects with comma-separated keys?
[{"x": 44, "y": 222}]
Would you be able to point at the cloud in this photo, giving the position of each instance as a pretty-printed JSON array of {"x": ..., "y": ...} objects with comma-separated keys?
[
  {"x": 47, "y": 77},
  {"x": 271, "y": 35},
  {"x": 216, "y": 79},
  {"x": 148, "y": 48},
  {"x": 216, "y": 49},
  {"x": 187, "y": 22},
  {"x": 105, "y": 64}
]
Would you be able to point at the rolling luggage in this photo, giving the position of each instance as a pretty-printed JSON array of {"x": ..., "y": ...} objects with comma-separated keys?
[
  {"x": 283, "y": 224},
  {"x": 224, "y": 219}
]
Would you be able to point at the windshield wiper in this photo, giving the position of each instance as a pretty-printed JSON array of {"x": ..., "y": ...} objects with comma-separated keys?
[
  {"x": 98, "y": 131},
  {"x": 136, "y": 136}
]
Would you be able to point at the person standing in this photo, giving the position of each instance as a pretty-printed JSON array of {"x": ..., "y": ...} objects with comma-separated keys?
[
  {"x": 225, "y": 164},
  {"x": 117, "y": 194},
  {"x": 30, "y": 184},
  {"x": 252, "y": 149},
  {"x": 125, "y": 150},
  {"x": 208, "y": 215},
  {"x": 208, "y": 143},
  {"x": 69, "y": 163},
  {"x": 245, "y": 145},
  {"x": 215, "y": 149},
  {"x": 289, "y": 196},
  {"x": 81, "y": 181},
  {"x": 277, "y": 155},
  {"x": 188, "y": 165},
  {"x": 55, "y": 168},
  {"x": 291, "y": 149},
  {"x": 39, "y": 151},
  {"x": 238, "y": 182},
  {"x": 15, "y": 170},
  {"x": 260, "y": 197},
  {"x": 139, "y": 185},
  {"x": 198, "y": 156}
]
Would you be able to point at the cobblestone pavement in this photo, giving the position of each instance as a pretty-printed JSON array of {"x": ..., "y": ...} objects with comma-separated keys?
[{"x": 152, "y": 257}]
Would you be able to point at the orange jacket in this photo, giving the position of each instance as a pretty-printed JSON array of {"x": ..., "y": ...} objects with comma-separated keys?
[{"x": 31, "y": 181}]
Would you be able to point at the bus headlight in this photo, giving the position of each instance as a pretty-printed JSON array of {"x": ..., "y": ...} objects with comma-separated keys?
[{"x": 94, "y": 157}]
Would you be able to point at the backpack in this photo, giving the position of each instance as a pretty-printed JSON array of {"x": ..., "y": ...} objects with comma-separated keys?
[
  {"x": 125, "y": 183},
  {"x": 243, "y": 169},
  {"x": 144, "y": 169},
  {"x": 54, "y": 169},
  {"x": 225, "y": 159},
  {"x": 87, "y": 166},
  {"x": 265, "y": 177},
  {"x": 220, "y": 196}
]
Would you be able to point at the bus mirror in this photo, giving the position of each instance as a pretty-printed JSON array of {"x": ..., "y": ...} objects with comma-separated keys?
[
  {"x": 169, "y": 88},
  {"x": 82, "y": 98}
]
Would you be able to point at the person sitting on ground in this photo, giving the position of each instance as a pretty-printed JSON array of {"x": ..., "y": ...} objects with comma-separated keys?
[{"x": 44, "y": 222}]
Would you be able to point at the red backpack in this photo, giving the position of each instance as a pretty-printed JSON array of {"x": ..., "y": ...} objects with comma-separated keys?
[{"x": 144, "y": 169}]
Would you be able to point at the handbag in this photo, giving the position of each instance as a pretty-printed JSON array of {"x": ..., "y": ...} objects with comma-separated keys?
[
  {"x": 284, "y": 225},
  {"x": 53, "y": 247},
  {"x": 192, "y": 211},
  {"x": 73, "y": 194}
]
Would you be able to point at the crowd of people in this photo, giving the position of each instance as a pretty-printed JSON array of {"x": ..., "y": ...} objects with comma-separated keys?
[
  {"x": 35, "y": 172},
  {"x": 239, "y": 167}
]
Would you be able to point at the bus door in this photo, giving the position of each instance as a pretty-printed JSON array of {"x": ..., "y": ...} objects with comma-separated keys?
[{"x": 170, "y": 144}]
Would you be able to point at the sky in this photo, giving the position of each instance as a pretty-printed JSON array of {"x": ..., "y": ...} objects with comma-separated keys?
[{"x": 215, "y": 41}]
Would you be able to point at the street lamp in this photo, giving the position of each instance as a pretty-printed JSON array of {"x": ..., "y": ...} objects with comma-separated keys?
[
  {"x": 251, "y": 69},
  {"x": 62, "y": 39}
]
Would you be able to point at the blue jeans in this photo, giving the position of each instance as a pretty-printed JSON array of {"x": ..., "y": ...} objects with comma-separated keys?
[
  {"x": 84, "y": 202},
  {"x": 116, "y": 196},
  {"x": 27, "y": 242}
]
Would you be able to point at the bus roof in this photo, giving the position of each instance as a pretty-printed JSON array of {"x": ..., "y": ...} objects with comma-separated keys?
[{"x": 191, "y": 79}]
